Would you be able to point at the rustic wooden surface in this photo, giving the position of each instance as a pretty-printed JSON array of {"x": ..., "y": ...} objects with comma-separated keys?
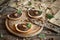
[
  {"x": 8, "y": 36},
  {"x": 4, "y": 10}
]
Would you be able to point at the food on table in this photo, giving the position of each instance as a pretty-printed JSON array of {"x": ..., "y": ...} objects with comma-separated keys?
[
  {"x": 16, "y": 15},
  {"x": 24, "y": 27},
  {"x": 34, "y": 13}
]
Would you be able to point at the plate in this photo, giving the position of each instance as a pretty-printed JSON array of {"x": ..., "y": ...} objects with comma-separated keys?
[{"x": 36, "y": 30}]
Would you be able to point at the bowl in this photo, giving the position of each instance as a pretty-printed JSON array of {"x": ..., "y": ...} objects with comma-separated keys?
[
  {"x": 10, "y": 16},
  {"x": 22, "y": 27},
  {"x": 33, "y": 13}
]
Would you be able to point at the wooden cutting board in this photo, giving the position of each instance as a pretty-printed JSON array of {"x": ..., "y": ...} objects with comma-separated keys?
[{"x": 34, "y": 31}]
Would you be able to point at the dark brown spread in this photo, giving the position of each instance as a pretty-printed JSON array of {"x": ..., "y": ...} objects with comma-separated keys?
[
  {"x": 34, "y": 12},
  {"x": 22, "y": 27},
  {"x": 15, "y": 15}
]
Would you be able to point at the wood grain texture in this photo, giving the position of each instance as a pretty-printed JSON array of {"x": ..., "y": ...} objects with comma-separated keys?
[{"x": 8, "y": 36}]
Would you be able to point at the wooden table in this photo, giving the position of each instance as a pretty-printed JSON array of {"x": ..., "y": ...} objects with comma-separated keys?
[{"x": 8, "y": 36}]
